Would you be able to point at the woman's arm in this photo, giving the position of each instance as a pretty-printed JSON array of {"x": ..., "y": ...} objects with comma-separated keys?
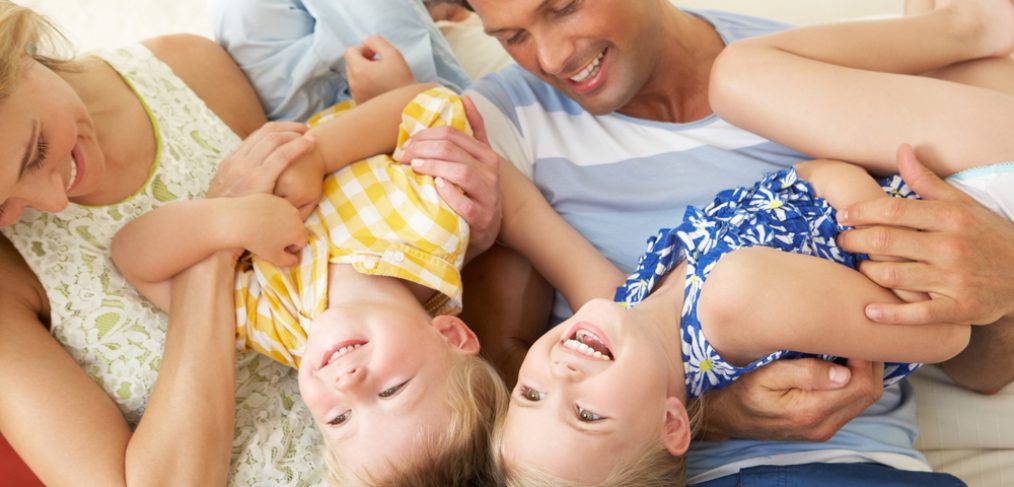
[
  {"x": 69, "y": 431},
  {"x": 153, "y": 248},
  {"x": 565, "y": 258}
]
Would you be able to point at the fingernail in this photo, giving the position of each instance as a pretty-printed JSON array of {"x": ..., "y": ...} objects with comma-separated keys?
[
  {"x": 417, "y": 162},
  {"x": 843, "y": 216},
  {"x": 440, "y": 182},
  {"x": 874, "y": 313},
  {"x": 838, "y": 375}
]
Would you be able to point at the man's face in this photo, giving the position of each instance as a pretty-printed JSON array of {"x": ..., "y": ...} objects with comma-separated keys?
[{"x": 598, "y": 52}]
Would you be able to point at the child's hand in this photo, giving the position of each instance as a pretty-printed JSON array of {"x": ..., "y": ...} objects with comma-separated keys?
[
  {"x": 301, "y": 182},
  {"x": 255, "y": 165},
  {"x": 270, "y": 227},
  {"x": 375, "y": 67}
]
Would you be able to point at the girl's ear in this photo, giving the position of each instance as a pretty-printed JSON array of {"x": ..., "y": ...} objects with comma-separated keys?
[
  {"x": 676, "y": 428},
  {"x": 457, "y": 334}
]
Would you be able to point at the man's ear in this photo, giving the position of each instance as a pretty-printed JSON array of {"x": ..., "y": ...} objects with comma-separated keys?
[
  {"x": 457, "y": 334},
  {"x": 676, "y": 428}
]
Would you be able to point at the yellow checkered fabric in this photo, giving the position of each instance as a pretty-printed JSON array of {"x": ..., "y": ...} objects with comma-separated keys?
[{"x": 377, "y": 215}]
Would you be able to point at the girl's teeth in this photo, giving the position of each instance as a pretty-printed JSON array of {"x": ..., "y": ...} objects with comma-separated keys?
[
  {"x": 342, "y": 351},
  {"x": 585, "y": 350}
]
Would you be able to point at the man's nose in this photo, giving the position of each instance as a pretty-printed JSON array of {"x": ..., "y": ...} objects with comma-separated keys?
[{"x": 554, "y": 53}]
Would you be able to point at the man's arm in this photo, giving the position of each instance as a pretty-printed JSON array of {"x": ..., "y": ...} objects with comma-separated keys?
[
  {"x": 292, "y": 52},
  {"x": 961, "y": 254}
]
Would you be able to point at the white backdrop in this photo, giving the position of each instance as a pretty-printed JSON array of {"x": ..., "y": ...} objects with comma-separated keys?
[{"x": 93, "y": 24}]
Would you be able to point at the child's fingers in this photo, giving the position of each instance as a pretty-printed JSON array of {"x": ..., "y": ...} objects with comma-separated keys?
[
  {"x": 379, "y": 45},
  {"x": 475, "y": 120}
]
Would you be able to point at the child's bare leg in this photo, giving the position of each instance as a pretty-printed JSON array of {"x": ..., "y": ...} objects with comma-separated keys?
[{"x": 816, "y": 89}]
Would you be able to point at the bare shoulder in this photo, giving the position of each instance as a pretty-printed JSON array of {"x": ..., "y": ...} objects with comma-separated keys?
[
  {"x": 209, "y": 70},
  {"x": 20, "y": 289}
]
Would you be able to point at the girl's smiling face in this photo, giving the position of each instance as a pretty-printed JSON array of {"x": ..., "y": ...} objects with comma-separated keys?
[{"x": 596, "y": 386}]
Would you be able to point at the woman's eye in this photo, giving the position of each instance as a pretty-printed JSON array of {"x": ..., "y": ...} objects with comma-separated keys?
[
  {"x": 386, "y": 393},
  {"x": 340, "y": 419},
  {"x": 531, "y": 394},
  {"x": 587, "y": 416},
  {"x": 40, "y": 154}
]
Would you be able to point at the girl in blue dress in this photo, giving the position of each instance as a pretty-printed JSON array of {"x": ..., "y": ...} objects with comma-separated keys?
[{"x": 757, "y": 275}]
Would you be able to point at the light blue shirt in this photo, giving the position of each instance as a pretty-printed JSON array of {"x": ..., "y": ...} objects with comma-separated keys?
[
  {"x": 618, "y": 179},
  {"x": 291, "y": 50}
]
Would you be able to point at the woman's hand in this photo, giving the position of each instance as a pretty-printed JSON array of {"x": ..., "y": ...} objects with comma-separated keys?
[
  {"x": 375, "y": 67},
  {"x": 959, "y": 252},
  {"x": 270, "y": 227},
  {"x": 254, "y": 167},
  {"x": 467, "y": 173},
  {"x": 301, "y": 183}
]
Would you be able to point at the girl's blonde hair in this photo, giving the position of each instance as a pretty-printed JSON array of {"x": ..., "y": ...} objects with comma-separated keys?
[
  {"x": 653, "y": 466},
  {"x": 23, "y": 33},
  {"x": 463, "y": 456}
]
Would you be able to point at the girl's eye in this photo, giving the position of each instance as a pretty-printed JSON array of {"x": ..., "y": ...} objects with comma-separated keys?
[
  {"x": 531, "y": 394},
  {"x": 340, "y": 419},
  {"x": 587, "y": 416},
  {"x": 386, "y": 393}
]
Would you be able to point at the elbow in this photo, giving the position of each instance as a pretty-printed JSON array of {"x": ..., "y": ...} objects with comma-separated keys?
[
  {"x": 729, "y": 90},
  {"x": 952, "y": 341}
]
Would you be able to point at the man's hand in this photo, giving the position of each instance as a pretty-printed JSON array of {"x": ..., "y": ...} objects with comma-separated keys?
[
  {"x": 375, "y": 67},
  {"x": 256, "y": 164},
  {"x": 270, "y": 227},
  {"x": 467, "y": 173},
  {"x": 959, "y": 252},
  {"x": 802, "y": 399}
]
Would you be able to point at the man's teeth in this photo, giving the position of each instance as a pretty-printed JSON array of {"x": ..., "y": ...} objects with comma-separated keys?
[
  {"x": 73, "y": 172},
  {"x": 585, "y": 349},
  {"x": 589, "y": 70},
  {"x": 342, "y": 351}
]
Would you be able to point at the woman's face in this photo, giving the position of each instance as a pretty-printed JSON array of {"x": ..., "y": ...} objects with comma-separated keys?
[{"x": 50, "y": 153}]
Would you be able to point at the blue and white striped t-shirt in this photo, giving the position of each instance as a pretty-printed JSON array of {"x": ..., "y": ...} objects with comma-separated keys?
[{"x": 618, "y": 179}]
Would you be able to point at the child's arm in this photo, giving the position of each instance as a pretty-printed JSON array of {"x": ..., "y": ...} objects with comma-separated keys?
[
  {"x": 152, "y": 249},
  {"x": 849, "y": 90},
  {"x": 808, "y": 304},
  {"x": 364, "y": 131},
  {"x": 568, "y": 261}
]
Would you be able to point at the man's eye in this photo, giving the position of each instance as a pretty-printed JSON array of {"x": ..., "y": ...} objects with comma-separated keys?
[
  {"x": 386, "y": 393},
  {"x": 531, "y": 394},
  {"x": 516, "y": 38},
  {"x": 587, "y": 416},
  {"x": 340, "y": 419}
]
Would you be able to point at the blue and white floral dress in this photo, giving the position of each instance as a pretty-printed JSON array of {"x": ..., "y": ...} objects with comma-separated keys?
[{"x": 781, "y": 211}]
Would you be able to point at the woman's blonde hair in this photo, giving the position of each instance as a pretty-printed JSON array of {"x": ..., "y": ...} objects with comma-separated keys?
[
  {"x": 26, "y": 33},
  {"x": 463, "y": 456},
  {"x": 653, "y": 466}
]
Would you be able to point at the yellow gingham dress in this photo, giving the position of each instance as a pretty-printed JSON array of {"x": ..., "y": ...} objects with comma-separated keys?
[{"x": 377, "y": 215}]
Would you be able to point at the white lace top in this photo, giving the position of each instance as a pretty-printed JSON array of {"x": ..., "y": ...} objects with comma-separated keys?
[{"x": 113, "y": 332}]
